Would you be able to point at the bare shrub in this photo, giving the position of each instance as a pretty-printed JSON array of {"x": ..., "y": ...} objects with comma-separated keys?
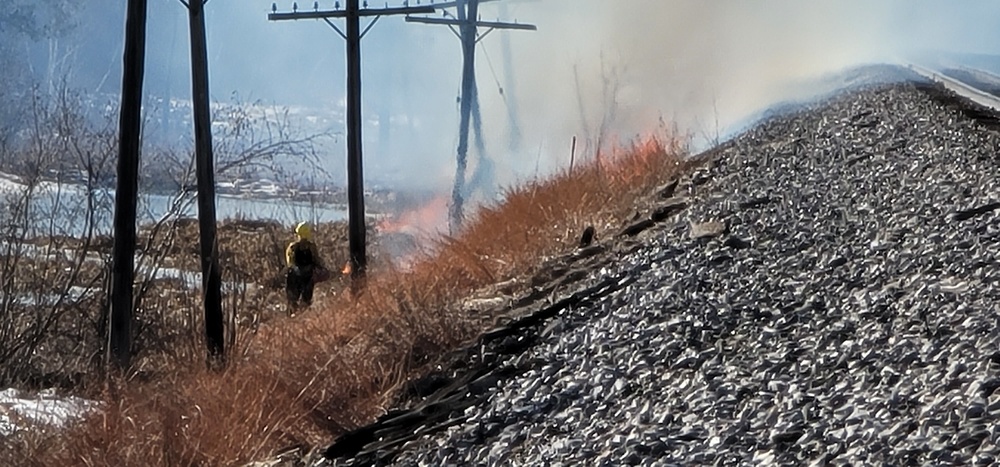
[
  {"x": 53, "y": 208},
  {"x": 54, "y": 247}
]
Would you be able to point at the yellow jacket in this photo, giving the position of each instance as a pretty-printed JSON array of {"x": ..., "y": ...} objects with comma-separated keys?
[{"x": 306, "y": 245}]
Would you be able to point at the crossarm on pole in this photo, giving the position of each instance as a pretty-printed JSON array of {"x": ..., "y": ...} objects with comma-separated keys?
[{"x": 323, "y": 14}]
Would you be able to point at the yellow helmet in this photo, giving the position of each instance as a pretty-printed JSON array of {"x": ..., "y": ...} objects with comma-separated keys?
[{"x": 303, "y": 230}]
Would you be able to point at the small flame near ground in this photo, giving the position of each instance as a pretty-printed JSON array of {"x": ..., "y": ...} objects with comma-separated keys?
[{"x": 426, "y": 220}]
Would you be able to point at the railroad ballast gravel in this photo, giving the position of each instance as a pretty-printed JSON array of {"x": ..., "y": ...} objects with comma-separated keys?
[{"x": 846, "y": 313}]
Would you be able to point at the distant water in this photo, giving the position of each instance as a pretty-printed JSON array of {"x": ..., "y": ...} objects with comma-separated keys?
[
  {"x": 235, "y": 207},
  {"x": 62, "y": 209}
]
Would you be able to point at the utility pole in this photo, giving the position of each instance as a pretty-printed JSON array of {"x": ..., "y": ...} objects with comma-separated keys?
[
  {"x": 211, "y": 279},
  {"x": 355, "y": 173},
  {"x": 467, "y": 35},
  {"x": 126, "y": 194},
  {"x": 468, "y": 22}
]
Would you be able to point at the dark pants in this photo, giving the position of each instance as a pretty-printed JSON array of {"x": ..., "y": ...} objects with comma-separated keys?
[{"x": 299, "y": 287}]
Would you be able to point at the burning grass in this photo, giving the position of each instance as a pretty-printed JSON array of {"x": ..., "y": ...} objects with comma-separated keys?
[{"x": 303, "y": 381}]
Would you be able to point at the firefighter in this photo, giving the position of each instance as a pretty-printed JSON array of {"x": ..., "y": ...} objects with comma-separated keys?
[{"x": 303, "y": 262}]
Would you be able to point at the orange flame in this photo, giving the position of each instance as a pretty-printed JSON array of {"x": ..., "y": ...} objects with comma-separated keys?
[
  {"x": 630, "y": 164},
  {"x": 425, "y": 220}
]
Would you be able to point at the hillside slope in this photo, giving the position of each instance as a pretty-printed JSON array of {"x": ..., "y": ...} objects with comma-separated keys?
[{"x": 828, "y": 296}]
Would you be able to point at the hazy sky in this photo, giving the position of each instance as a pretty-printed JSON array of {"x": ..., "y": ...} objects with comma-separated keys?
[{"x": 691, "y": 62}]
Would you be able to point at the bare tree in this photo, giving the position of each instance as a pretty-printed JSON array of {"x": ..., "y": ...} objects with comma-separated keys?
[
  {"x": 250, "y": 139},
  {"x": 48, "y": 277},
  {"x": 56, "y": 210}
]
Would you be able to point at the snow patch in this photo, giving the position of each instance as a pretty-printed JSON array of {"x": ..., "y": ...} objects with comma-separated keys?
[{"x": 21, "y": 410}]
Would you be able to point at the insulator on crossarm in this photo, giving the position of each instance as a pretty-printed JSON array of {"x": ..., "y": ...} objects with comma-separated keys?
[
  {"x": 274, "y": 8},
  {"x": 295, "y": 6},
  {"x": 336, "y": 5}
]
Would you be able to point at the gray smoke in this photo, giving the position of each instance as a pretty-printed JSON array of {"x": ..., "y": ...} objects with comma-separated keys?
[{"x": 596, "y": 69}]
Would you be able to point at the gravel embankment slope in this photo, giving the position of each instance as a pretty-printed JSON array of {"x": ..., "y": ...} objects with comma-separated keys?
[{"x": 847, "y": 314}]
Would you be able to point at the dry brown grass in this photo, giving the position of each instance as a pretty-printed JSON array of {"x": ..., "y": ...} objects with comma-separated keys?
[{"x": 303, "y": 381}]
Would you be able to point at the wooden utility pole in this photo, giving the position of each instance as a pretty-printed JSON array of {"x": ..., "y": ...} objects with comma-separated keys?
[
  {"x": 355, "y": 173},
  {"x": 126, "y": 194},
  {"x": 468, "y": 23},
  {"x": 467, "y": 35},
  {"x": 211, "y": 279}
]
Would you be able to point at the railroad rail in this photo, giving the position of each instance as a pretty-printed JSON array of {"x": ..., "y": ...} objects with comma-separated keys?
[{"x": 959, "y": 87}]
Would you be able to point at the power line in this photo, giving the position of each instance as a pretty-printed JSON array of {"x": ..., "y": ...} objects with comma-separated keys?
[{"x": 494, "y": 73}]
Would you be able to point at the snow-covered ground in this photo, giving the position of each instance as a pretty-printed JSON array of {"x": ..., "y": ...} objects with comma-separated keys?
[
  {"x": 22, "y": 410},
  {"x": 12, "y": 184}
]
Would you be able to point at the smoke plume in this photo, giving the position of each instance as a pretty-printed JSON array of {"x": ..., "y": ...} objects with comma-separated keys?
[{"x": 596, "y": 69}]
